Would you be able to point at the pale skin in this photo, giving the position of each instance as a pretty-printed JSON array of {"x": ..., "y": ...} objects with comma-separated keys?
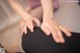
[
  {"x": 49, "y": 25},
  {"x": 24, "y": 15}
]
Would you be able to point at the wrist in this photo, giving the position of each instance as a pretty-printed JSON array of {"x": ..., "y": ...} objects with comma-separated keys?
[
  {"x": 48, "y": 16},
  {"x": 25, "y": 17}
]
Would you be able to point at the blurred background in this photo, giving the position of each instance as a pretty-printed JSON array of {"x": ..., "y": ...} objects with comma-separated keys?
[{"x": 9, "y": 27}]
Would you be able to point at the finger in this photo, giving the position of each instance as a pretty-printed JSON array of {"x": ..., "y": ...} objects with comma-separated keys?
[
  {"x": 55, "y": 37},
  {"x": 68, "y": 29},
  {"x": 21, "y": 26},
  {"x": 30, "y": 26},
  {"x": 60, "y": 36},
  {"x": 65, "y": 31},
  {"x": 59, "y": 33},
  {"x": 25, "y": 30},
  {"x": 36, "y": 21},
  {"x": 53, "y": 32},
  {"x": 45, "y": 30}
]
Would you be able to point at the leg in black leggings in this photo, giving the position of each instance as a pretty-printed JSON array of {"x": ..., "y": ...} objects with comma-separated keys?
[{"x": 38, "y": 42}]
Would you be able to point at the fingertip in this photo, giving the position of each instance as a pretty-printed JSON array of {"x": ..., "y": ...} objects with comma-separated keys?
[
  {"x": 48, "y": 33},
  {"x": 71, "y": 30},
  {"x": 57, "y": 40},
  {"x": 32, "y": 30},
  {"x": 69, "y": 35},
  {"x": 55, "y": 37},
  {"x": 25, "y": 32},
  {"x": 62, "y": 41}
]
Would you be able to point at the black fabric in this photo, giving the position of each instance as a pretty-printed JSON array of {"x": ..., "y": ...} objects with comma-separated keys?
[
  {"x": 38, "y": 42},
  {"x": 79, "y": 2}
]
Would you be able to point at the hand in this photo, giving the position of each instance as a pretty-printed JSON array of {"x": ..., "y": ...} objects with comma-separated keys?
[
  {"x": 29, "y": 23},
  {"x": 49, "y": 26}
]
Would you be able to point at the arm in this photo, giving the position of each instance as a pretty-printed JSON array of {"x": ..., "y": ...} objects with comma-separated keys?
[
  {"x": 18, "y": 8},
  {"x": 24, "y": 15},
  {"x": 47, "y": 6}
]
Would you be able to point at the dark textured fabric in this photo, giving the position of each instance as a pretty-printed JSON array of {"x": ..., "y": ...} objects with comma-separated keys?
[{"x": 38, "y": 42}]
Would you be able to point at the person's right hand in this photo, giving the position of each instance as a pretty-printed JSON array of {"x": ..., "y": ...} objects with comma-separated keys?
[
  {"x": 50, "y": 26},
  {"x": 29, "y": 23}
]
